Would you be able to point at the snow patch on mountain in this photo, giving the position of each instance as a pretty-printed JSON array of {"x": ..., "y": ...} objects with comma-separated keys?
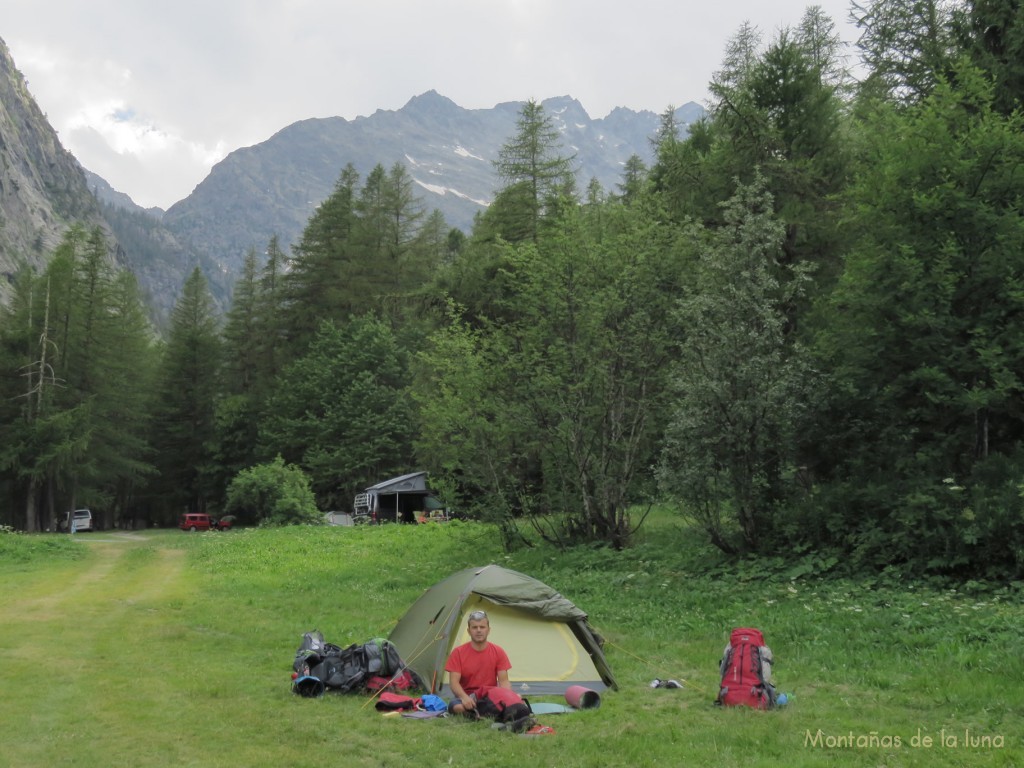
[
  {"x": 461, "y": 151},
  {"x": 439, "y": 190}
]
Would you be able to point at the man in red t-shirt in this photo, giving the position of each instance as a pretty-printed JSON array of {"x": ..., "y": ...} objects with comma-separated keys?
[{"x": 475, "y": 666}]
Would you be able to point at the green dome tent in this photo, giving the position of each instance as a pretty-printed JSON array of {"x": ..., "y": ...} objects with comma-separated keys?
[{"x": 547, "y": 638}]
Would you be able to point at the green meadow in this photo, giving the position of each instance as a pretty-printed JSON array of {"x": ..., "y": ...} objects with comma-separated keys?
[{"x": 163, "y": 648}]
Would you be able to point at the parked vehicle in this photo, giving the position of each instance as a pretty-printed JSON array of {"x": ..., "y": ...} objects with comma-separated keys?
[
  {"x": 404, "y": 499},
  {"x": 81, "y": 520},
  {"x": 200, "y": 521},
  {"x": 195, "y": 521}
]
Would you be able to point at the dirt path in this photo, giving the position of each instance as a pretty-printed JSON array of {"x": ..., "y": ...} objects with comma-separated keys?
[
  {"x": 71, "y": 633},
  {"x": 68, "y": 591}
]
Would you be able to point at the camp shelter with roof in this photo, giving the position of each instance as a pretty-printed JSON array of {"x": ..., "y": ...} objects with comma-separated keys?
[
  {"x": 400, "y": 499},
  {"x": 547, "y": 638}
]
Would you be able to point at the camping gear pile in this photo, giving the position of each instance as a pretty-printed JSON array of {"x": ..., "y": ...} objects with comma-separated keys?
[
  {"x": 372, "y": 666},
  {"x": 555, "y": 651}
]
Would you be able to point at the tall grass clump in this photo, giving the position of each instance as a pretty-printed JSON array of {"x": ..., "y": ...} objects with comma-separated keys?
[{"x": 19, "y": 547}]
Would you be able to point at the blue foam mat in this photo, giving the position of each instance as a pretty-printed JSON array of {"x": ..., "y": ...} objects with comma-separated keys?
[{"x": 546, "y": 708}]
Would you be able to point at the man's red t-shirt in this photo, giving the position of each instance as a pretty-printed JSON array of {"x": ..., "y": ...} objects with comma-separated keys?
[{"x": 477, "y": 669}]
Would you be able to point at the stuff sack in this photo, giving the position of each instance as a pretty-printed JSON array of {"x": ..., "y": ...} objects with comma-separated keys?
[
  {"x": 402, "y": 681},
  {"x": 433, "y": 703},
  {"x": 746, "y": 670},
  {"x": 388, "y": 702}
]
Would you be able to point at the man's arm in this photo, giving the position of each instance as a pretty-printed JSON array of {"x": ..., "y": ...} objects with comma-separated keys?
[
  {"x": 503, "y": 681},
  {"x": 454, "y": 682}
]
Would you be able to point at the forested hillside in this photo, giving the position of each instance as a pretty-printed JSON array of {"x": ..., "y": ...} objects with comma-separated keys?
[{"x": 799, "y": 326}]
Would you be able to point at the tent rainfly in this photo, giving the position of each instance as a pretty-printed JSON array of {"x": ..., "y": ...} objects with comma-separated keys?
[{"x": 547, "y": 638}]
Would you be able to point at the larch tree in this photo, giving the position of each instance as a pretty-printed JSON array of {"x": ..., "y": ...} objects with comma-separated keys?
[{"x": 532, "y": 172}]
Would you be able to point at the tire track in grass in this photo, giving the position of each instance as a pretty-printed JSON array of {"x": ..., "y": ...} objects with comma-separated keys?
[
  {"x": 71, "y": 644},
  {"x": 56, "y": 597}
]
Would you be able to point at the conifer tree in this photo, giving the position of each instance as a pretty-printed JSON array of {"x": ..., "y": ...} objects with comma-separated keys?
[
  {"x": 533, "y": 173},
  {"x": 992, "y": 33},
  {"x": 187, "y": 387},
  {"x": 271, "y": 331},
  {"x": 85, "y": 354},
  {"x": 340, "y": 411},
  {"x": 391, "y": 266},
  {"x": 634, "y": 177},
  {"x": 320, "y": 281},
  {"x": 238, "y": 406},
  {"x": 126, "y": 417},
  {"x": 907, "y": 45}
]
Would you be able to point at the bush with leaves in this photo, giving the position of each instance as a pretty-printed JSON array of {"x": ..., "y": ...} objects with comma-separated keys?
[{"x": 273, "y": 494}]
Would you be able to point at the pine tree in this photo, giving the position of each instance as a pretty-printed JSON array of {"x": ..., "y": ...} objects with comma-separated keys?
[
  {"x": 634, "y": 178},
  {"x": 238, "y": 405},
  {"x": 992, "y": 33},
  {"x": 390, "y": 266},
  {"x": 907, "y": 45},
  {"x": 270, "y": 315},
  {"x": 85, "y": 354}
]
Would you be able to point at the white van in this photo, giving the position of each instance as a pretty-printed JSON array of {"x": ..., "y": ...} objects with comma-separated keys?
[{"x": 82, "y": 520}]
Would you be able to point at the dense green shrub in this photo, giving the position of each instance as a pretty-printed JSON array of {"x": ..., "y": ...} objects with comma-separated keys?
[{"x": 273, "y": 494}]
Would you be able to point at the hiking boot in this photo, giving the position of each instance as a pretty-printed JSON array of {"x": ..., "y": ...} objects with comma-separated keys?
[{"x": 522, "y": 724}]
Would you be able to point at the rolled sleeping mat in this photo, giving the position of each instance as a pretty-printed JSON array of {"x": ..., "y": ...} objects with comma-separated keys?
[{"x": 582, "y": 697}]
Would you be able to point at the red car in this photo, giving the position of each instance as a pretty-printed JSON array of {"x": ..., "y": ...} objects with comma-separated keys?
[
  {"x": 195, "y": 521},
  {"x": 199, "y": 521}
]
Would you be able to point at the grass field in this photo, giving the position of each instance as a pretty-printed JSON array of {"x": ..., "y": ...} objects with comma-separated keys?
[{"x": 165, "y": 648}]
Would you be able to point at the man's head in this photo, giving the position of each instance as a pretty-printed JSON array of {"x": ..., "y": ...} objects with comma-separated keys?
[{"x": 479, "y": 627}]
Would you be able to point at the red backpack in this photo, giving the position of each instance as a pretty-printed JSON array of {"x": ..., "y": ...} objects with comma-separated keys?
[
  {"x": 746, "y": 669},
  {"x": 505, "y": 706}
]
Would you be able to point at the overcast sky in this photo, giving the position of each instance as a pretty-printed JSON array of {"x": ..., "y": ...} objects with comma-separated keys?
[{"x": 150, "y": 95}]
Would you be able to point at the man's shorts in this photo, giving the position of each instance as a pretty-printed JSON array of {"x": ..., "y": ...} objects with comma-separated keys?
[{"x": 457, "y": 700}]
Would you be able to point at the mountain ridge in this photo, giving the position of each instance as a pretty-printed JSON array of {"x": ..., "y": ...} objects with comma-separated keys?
[{"x": 273, "y": 187}]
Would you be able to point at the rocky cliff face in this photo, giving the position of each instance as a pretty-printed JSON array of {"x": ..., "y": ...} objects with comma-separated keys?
[{"x": 43, "y": 189}]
